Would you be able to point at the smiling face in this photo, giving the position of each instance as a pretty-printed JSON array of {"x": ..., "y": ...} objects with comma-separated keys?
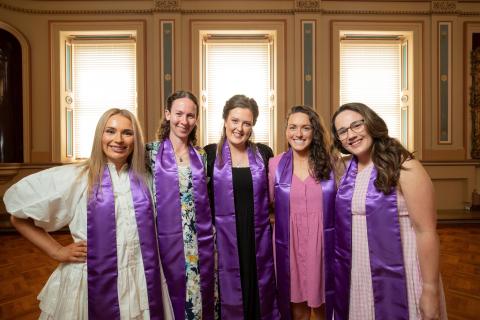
[
  {"x": 356, "y": 138},
  {"x": 238, "y": 126},
  {"x": 118, "y": 140},
  {"x": 182, "y": 117},
  {"x": 299, "y": 132}
]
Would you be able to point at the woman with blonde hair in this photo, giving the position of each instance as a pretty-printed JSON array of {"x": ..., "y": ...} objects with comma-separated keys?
[
  {"x": 184, "y": 221},
  {"x": 105, "y": 201}
]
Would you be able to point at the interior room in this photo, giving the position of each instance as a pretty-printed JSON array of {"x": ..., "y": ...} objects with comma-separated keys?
[{"x": 415, "y": 62}]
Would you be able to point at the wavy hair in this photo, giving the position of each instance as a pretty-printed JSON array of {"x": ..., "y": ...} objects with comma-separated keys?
[
  {"x": 238, "y": 101},
  {"x": 136, "y": 160},
  {"x": 388, "y": 154},
  {"x": 319, "y": 154},
  {"x": 163, "y": 131}
]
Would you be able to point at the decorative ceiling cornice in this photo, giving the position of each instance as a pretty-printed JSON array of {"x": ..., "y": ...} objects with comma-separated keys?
[
  {"x": 306, "y": 6},
  {"x": 441, "y": 6},
  {"x": 167, "y": 5}
]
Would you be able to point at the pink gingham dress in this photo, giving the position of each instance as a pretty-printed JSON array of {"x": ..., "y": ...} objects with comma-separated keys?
[{"x": 361, "y": 292}]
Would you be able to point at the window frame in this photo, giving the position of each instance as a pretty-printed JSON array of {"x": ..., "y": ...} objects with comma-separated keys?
[
  {"x": 413, "y": 33},
  {"x": 378, "y": 43},
  {"x": 230, "y": 38},
  {"x": 278, "y": 29},
  {"x": 60, "y": 31}
]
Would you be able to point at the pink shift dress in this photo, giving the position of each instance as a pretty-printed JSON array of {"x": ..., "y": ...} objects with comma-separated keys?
[
  {"x": 361, "y": 292},
  {"x": 306, "y": 238}
]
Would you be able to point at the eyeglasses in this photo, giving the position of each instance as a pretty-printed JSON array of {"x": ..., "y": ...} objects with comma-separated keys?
[{"x": 355, "y": 126}]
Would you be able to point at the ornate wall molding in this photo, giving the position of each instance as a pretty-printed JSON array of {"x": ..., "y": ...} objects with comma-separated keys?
[
  {"x": 475, "y": 102},
  {"x": 307, "y": 4},
  {"x": 377, "y": 12},
  {"x": 444, "y": 6},
  {"x": 444, "y": 82},
  {"x": 437, "y": 7},
  {"x": 166, "y": 5}
]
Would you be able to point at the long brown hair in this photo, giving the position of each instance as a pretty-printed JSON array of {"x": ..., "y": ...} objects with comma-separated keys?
[
  {"x": 163, "y": 131},
  {"x": 388, "y": 154},
  {"x": 319, "y": 155},
  {"x": 136, "y": 160},
  {"x": 238, "y": 101}
]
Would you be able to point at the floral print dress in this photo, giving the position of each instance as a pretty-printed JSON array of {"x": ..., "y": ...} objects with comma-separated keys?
[{"x": 193, "y": 301}]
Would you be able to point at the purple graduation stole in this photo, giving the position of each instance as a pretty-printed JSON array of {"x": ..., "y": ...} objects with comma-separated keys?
[
  {"x": 283, "y": 183},
  {"x": 385, "y": 247},
  {"x": 170, "y": 234},
  {"x": 102, "y": 249},
  {"x": 225, "y": 224}
]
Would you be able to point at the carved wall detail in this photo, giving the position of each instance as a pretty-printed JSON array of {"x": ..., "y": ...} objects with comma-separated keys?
[
  {"x": 475, "y": 103},
  {"x": 437, "y": 7},
  {"x": 166, "y": 4},
  {"x": 444, "y": 6},
  {"x": 307, "y": 4}
]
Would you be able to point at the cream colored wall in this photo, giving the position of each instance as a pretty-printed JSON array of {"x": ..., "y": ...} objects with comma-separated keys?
[{"x": 454, "y": 174}]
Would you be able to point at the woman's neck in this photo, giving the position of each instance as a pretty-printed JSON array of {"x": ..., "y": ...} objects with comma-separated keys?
[
  {"x": 301, "y": 165},
  {"x": 364, "y": 161},
  {"x": 237, "y": 149},
  {"x": 179, "y": 145},
  {"x": 239, "y": 155},
  {"x": 300, "y": 156}
]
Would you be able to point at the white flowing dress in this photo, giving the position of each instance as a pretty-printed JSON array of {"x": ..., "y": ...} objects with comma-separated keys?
[{"x": 57, "y": 197}]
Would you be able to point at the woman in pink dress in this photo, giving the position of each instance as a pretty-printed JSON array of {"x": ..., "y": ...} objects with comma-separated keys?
[
  {"x": 303, "y": 189},
  {"x": 386, "y": 244}
]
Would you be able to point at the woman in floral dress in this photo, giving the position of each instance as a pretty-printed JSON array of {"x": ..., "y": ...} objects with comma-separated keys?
[{"x": 184, "y": 221}]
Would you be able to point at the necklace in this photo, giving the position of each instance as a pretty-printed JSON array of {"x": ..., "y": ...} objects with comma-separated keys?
[
  {"x": 179, "y": 156},
  {"x": 242, "y": 162}
]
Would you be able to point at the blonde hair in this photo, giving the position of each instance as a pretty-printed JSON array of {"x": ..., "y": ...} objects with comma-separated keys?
[{"x": 136, "y": 160}]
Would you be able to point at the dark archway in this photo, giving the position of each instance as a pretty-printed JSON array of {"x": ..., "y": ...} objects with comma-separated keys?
[{"x": 11, "y": 102}]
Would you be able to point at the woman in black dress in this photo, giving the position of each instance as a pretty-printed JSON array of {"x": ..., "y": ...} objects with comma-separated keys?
[{"x": 237, "y": 168}]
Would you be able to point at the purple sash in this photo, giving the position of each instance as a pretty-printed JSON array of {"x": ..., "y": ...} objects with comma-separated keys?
[
  {"x": 385, "y": 247},
  {"x": 225, "y": 223},
  {"x": 283, "y": 182},
  {"x": 102, "y": 249},
  {"x": 170, "y": 234}
]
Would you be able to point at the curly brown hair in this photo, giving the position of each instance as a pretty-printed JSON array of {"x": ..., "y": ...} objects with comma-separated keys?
[
  {"x": 320, "y": 155},
  {"x": 388, "y": 154},
  {"x": 163, "y": 131}
]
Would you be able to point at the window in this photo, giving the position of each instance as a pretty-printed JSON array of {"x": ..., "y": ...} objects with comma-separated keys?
[
  {"x": 370, "y": 72},
  {"x": 237, "y": 64},
  {"x": 366, "y": 50},
  {"x": 94, "y": 66},
  {"x": 103, "y": 76}
]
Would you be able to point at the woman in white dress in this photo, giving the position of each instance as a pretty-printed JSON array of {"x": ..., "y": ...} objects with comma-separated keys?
[{"x": 104, "y": 201}]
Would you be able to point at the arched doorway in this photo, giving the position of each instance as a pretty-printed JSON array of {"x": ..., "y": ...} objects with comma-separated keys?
[{"x": 11, "y": 99}]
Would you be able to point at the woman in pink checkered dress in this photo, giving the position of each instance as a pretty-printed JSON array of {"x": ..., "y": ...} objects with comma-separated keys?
[{"x": 386, "y": 248}]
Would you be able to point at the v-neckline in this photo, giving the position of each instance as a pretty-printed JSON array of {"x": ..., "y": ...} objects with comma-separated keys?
[{"x": 302, "y": 181}]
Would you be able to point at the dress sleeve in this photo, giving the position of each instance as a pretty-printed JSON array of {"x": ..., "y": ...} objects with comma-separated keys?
[
  {"x": 266, "y": 153},
  {"x": 151, "y": 150},
  {"x": 49, "y": 197}
]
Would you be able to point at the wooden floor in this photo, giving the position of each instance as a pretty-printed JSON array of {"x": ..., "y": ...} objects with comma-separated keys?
[{"x": 24, "y": 270}]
